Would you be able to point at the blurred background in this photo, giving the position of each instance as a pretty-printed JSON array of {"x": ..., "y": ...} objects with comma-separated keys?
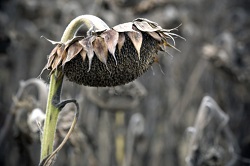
[{"x": 162, "y": 118}]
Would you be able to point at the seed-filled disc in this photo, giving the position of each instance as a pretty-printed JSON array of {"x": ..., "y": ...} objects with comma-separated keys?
[{"x": 128, "y": 67}]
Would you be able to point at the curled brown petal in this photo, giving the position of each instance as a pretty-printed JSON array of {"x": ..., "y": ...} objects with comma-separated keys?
[
  {"x": 87, "y": 46},
  {"x": 52, "y": 57},
  {"x": 60, "y": 50},
  {"x": 152, "y": 23},
  {"x": 121, "y": 41},
  {"x": 83, "y": 55},
  {"x": 166, "y": 35},
  {"x": 145, "y": 26},
  {"x": 57, "y": 57},
  {"x": 54, "y": 65},
  {"x": 73, "y": 50},
  {"x": 111, "y": 39},
  {"x": 155, "y": 35},
  {"x": 125, "y": 27},
  {"x": 136, "y": 38},
  {"x": 101, "y": 49}
]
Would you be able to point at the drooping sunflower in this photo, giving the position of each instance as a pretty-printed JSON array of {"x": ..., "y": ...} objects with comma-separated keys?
[{"x": 111, "y": 56}]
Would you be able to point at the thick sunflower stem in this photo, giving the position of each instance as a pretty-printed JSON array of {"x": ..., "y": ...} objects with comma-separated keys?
[
  {"x": 52, "y": 113},
  {"x": 56, "y": 81}
]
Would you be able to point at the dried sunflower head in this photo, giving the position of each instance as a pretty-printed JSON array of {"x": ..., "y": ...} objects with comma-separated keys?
[{"x": 113, "y": 56}]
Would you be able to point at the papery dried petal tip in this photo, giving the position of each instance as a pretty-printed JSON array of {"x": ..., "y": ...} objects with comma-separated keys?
[
  {"x": 100, "y": 49},
  {"x": 83, "y": 55},
  {"x": 174, "y": 34},
  {"x": 148, "y": 21},
  {"x": 51, "y": 41},
  {"x": 87, "y": 46},
  {"x": 155, "y": 35},
  {"x": 111, "y": 39},
  {"x": 73, "y": 51},
  {"x": 146, "y": 26},
  {"x": 121, "y": 41},
  {"x": 125, "y": 27},
  {"x": 52, "y": 56},
  {"x": 136, "y": 38}
]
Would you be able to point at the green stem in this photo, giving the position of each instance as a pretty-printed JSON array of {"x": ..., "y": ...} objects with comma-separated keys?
[
  {"x": 56, "y": 81},
  {"x": 51, "y": 115}
]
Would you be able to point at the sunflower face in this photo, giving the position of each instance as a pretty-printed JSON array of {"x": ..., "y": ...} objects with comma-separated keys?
[{"x": 113, "y": 56}]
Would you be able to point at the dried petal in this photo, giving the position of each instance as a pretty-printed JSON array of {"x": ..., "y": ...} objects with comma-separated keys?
[
  {"x": 165, "y": 44},
  {"x": 145, "y": 26},
  {"x": 87, "y": 46},
  {"x": 64, "y": 55},
  {"x": 57, "y": 60},
  {"x": 125, "y": 27},
  {"x": 52, "y": 56},
  {"x": 174, "y": 34},
  {"x": 155, "y": 35},
  {"x": 83, "y": 55},
  {"x": 58, "y": 57},
  {"x": 73, "y": 40},
  {"x": 121, "y": 41},
  {"x": 73, "y": 51},
  {"x": 153, "y": 24},
  {"x": 101, "y": 49},
  {"x": 111, "y": 39},
  {"x": 166, "y": 35},
  {"x": 136, "y": 38},
  {"x": 60, "y": 50}
]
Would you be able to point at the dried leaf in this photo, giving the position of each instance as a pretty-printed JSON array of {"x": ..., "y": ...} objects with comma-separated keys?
[
  {"x": 101, "y": 49},
  {"x": 87, "y": 46},
  {"x": 121, "y": 41},
  {"x": 136, "y": 38},
  {"x": 111, "y": 39},
  {"x": 51, "y": 41},
  {"x": 125, "y": 27}
]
